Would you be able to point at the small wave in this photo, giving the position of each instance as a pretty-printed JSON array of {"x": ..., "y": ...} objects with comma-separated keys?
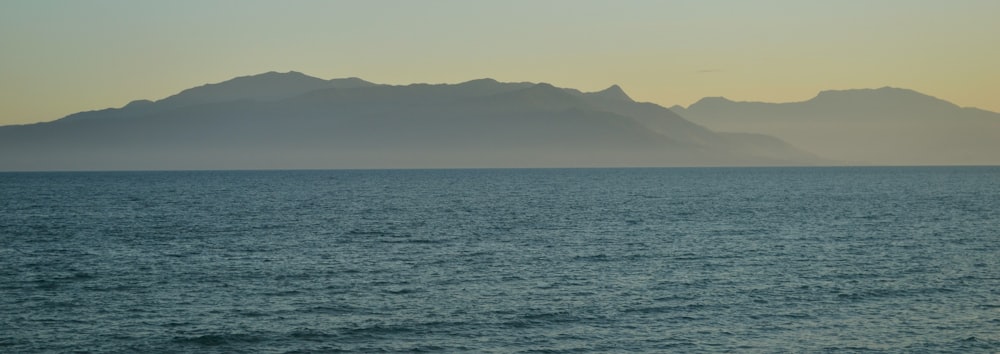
[
  {"x": 377, "y": 330},
  {"x": 652, "y": 309},
  {"x": 425, "y": 349},
  {"x": 285, "y": 292},
  {"x": 59, "y": 304},
  {"x": 479, "y": 254},
  {"x": 410, "y": 241},
  {"x": 311, "y": 335},
  {"x": 173, "y": 324},
  {"x": 46, "y": 285},
  {"x": 667, "y": 309},
  {"x": 79, "y": 276},
  {"x": 332, "y": 309},
  {"x": 973, "y": 342},
  {"x": 884, "y": 293},
  {"x": 361, "y": 232},
  {"x": 593, "y": 258},
  {"x": 541, "y": 318},
  {"x": 251, "y": 313},
  {"x": 399, "y": 349},
  {"x": 850, "y": 349},
  {"x": 403, "y": 291},
  {"x": 112, "y": 287},
  {"x": 212, "y": 340}
]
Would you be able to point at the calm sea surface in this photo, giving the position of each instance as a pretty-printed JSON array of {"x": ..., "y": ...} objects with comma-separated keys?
[{"x": 570, "y": 260}]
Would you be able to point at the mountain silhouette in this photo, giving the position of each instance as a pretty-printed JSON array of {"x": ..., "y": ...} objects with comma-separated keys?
[
  {"x": 613, "y": 93},
  {"x": 885, "y": 126},
  {"x": 269, "y": 86},
  {"x": 291, "y": 120}
]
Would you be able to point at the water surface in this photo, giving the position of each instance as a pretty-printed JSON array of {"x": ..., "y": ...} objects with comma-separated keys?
[{"x": 567, "y": 260}]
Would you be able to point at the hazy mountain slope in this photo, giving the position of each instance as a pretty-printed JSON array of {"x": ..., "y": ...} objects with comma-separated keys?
[
  {"x": 270, "y": 86},
  {"x": 294, "y": 121},
  {"x": 873, "y": 126}
]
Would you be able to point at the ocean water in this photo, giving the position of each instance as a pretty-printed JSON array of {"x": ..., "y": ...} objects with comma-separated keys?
[{"x": 564, "y": 260}]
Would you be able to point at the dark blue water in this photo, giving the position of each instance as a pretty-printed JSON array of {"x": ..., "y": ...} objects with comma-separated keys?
[{"x": 639, "y": 260}]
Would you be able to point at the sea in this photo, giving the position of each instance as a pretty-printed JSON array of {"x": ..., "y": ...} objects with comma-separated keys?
[{"x": 686, "y": 260}]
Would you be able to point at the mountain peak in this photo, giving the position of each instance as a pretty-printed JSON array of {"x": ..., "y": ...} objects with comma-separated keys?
[
  {"x": 138, "y": 103},
  {"x": 483, "y": 81},
  {"x": 710, "y": 101},
  {"x": 479, "y": 84},
  {"x": 267, "y": 86},
  {"x": 274, "y": 75},
  {"x": 884, "y": 90},
  {"x": 351, "y": 82},
  {"x": 614, "y": 92},
  {"x": 885, "y": 96},
  {"x": 540, "y": 95}
]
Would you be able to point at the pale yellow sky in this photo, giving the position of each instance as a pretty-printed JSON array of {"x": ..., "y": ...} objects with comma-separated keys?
[{"x": 60, "y": 57}]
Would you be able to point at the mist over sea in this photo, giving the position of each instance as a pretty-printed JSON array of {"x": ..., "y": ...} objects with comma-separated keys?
[{"x": 884, "y": 259}]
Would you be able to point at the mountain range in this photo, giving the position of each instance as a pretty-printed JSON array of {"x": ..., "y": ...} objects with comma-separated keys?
[
  {"x": 885, "y": 126},
  {"x": 291, "y": 120}
]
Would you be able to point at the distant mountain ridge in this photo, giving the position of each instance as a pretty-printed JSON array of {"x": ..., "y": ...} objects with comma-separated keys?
[
  {"x": 292, "y": 120},
  {"x": 269, "y": 86},
  {"x": 884, "y": 126}
]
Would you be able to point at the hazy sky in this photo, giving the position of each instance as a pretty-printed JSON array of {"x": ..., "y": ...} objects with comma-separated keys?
[{"x": 60, "y": 57}]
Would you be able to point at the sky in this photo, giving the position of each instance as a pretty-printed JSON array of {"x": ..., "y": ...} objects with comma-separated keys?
[{"x": 59, "y": 57}]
